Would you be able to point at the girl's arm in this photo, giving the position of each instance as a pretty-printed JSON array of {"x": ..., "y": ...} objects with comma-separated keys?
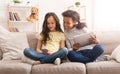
[
  {"x": 39, "y": 45},
  {"x": 62, "y": 43}
]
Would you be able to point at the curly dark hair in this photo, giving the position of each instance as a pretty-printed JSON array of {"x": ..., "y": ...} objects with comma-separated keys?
[{"x": 75, "y": 17}]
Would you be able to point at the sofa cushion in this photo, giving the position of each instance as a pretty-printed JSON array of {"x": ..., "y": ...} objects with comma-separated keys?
[
  {"x": 13, "y": 44},
  {"x": 103, "y": 67},
  {"x": 64, "y": 68},
  {"x": 116, "y": 54},
  {"x": 109, "y": 39},
  {"x": 14, "y": 67}
]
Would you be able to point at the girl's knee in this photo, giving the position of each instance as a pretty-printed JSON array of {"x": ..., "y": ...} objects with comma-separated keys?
[
  {"x": 99, "y": 48},
  {"x": 26, "y": 50},
  {"x": 71, "y": 53},
  {"x": 65, "y": 50}
]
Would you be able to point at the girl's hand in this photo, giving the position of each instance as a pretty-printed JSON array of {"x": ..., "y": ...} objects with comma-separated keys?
[
  {"x": 76, "y": 46},
  {"x": 49, "y": 53},
  {"x": 38, "y": 50},
  {"x": 93, "y": 39}
]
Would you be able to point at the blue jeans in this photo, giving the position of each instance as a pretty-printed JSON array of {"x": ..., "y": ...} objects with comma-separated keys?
[
  {"x": 87, "y": 55},
  {"x": 34, "y": 55}
]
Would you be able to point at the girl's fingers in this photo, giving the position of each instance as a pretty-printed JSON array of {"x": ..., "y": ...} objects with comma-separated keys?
[{"x": 93, "y": 37}]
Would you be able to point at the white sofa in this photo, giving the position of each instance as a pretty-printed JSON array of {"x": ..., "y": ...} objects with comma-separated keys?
[{"x": 109, "y": 39}]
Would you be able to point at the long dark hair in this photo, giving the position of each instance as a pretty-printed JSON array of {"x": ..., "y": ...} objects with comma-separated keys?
[
  {"x": 75, "y": 17},
  {"x": 45, "y": 30}
]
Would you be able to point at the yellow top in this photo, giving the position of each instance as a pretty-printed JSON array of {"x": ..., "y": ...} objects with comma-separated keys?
[{"x": 53, "y": 44}]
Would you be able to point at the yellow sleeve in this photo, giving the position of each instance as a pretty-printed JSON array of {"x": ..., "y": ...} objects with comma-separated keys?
[{"x": 62, "y": 36}]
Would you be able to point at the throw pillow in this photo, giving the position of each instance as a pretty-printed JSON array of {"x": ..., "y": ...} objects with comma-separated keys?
[
  {"x": 2, "y": 31},
  {"x": 116, "y": 54},
  {"x": 13, "y": 44}
]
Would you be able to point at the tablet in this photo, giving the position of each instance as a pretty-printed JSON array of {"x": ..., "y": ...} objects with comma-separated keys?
[{"x": 83, "y": 39}]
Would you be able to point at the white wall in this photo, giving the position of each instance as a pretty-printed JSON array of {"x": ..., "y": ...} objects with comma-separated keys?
[
  {"x": 107, "y": 15},
  {"x": 3, "y": 13}
]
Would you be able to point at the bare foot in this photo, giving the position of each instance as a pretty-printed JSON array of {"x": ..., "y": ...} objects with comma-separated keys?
[{"x": 36, "y": 62}]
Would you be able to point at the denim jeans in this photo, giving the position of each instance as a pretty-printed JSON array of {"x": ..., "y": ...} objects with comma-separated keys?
[
  {"x": 34, "y": 55},
  {"x": 87, "y": 55}
]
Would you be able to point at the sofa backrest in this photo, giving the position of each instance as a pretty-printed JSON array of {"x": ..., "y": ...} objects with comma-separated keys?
[
  {"x": 109, "y": 39},
  {"x": 32, "y": 39}
]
